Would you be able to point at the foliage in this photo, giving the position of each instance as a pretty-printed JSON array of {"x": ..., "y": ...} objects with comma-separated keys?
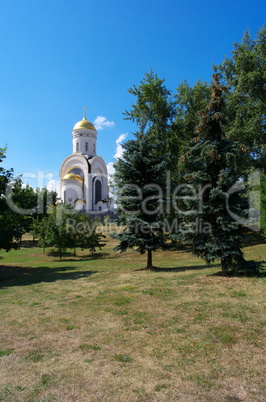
[
  {"x": 189, "y": 102},
  {"x": 154, "y": 111},
  {"x": 140, "y": 179},
  {"x": 7, "y": 224},
  {"x": 141, "y": 174},
  {"x": 8, "y": 230},
  {"x": 65, "y": 228},
  {"x": 45, "y": 198},
  {"x": 56, "y": 229},
  {"x": 245, "y": 77},
  {"x": 211, "y": 165},
  {"x": 38, "y": 230},
  {"x": 89, "y": 237},
  {"x": 263, "y": 204},
  {"x": 23, "y": 200},
  {"x": 5, "y": 175}
]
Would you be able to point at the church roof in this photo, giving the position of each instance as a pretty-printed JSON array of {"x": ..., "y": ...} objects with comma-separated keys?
[
  {"x": 84, "y": 124},
  {"x": 71, "y": 176}
]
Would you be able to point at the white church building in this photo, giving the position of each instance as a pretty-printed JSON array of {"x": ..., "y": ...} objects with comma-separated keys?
[{"x": 83, "y": 174}]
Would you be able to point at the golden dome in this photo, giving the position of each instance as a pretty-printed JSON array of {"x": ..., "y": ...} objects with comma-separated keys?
[
  {"x": 71, "y": 176},
  {"x": 84, "y": 124}
]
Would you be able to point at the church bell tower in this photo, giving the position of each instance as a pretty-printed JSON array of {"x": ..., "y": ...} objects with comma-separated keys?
[{"x": 84, "y": 136}]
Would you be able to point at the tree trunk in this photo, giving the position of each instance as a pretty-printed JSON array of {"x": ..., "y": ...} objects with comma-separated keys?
[
  {"x": 149, "y": 259},
  {"x": 20, "y": 234},
  {"x": 227, "y": 263},
  {"x": 224, "y": 266}
]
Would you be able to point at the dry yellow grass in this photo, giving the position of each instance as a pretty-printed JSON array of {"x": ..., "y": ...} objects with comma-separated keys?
[{"x": 104, "y": 330}]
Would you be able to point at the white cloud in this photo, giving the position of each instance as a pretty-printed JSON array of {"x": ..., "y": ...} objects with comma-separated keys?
[
  {"x": 53, "y": 185},
  {"x": 119, "y": 148},
  {"x": 101, "y": 122},
  {"x": 118, "y": 153},
  {"x": 110, "y": 169}
]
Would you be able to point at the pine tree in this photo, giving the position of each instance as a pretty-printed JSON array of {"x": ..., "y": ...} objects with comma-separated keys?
[
  {"x": 141, "y": 174},
  {"x": 211, "y": 170},
  {"x": 140, "y": 182}
]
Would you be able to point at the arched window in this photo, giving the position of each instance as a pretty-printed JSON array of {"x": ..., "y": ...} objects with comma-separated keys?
[
  {"x": 86, "y": 146},
  {"x": 98, "y": 191},
  {"x": 77, "y": 147},
  {"x": 77, "y": 171}
]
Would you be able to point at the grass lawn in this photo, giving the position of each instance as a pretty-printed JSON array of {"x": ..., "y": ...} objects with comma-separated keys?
[{"x": 104, "y": 329}]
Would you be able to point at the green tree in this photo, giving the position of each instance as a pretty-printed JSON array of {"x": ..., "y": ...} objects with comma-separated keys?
[
  {"x": 7, "y": 224},
  {"x": 140, "y": 180},
  {"x": 23, "y": 202},
  {"x": 245, "y": 77},
  {"x": 211, "y": 169},
  {"x": 39, "y": 231},
  {"x": 88, "y": 235},
  {"x": 64, "y": 228},
  {"x": 141, "y": 175},
  {"x": 57, "y": 233}
]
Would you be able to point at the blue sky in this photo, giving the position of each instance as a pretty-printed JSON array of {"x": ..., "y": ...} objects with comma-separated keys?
[{"x": 61, "y": 55}]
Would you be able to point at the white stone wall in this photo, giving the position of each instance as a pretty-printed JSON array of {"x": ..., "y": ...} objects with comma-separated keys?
[{"x": 72, "y": 191}]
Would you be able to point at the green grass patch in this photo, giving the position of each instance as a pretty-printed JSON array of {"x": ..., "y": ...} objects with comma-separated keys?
[
  {"x": 35, "y": 355},
  {"x": 123, "y": 358},
  {"x": 6, "y": 352},
  {"x": 122, "y": 300},
  {"x": 240, "y": 293},
  {"x": 70, "y": 327}
]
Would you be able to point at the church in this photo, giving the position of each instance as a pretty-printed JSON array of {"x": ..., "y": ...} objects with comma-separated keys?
[{"x": 83, "y": 174}]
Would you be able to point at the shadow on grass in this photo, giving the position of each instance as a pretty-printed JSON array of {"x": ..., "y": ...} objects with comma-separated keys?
[
  {"x": 69, "y": 257},
  {"x": 24, "y": 276},
  {"x": 254, "y": 269},
  {"x": 178, "y": 269},
  {"x": 29, "y": 243},
  {"x": 253, "y": 239},
  {"x": 257, "y": 270}
]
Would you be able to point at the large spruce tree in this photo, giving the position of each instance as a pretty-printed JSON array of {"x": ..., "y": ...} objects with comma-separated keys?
[
  {"x": 140, "y": 181},
  {"x": 141, "y": 174},
  {"x": 211, "y": 170}
]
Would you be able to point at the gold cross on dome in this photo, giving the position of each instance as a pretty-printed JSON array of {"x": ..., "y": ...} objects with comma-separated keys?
[{"x": 84, "y": 113}]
